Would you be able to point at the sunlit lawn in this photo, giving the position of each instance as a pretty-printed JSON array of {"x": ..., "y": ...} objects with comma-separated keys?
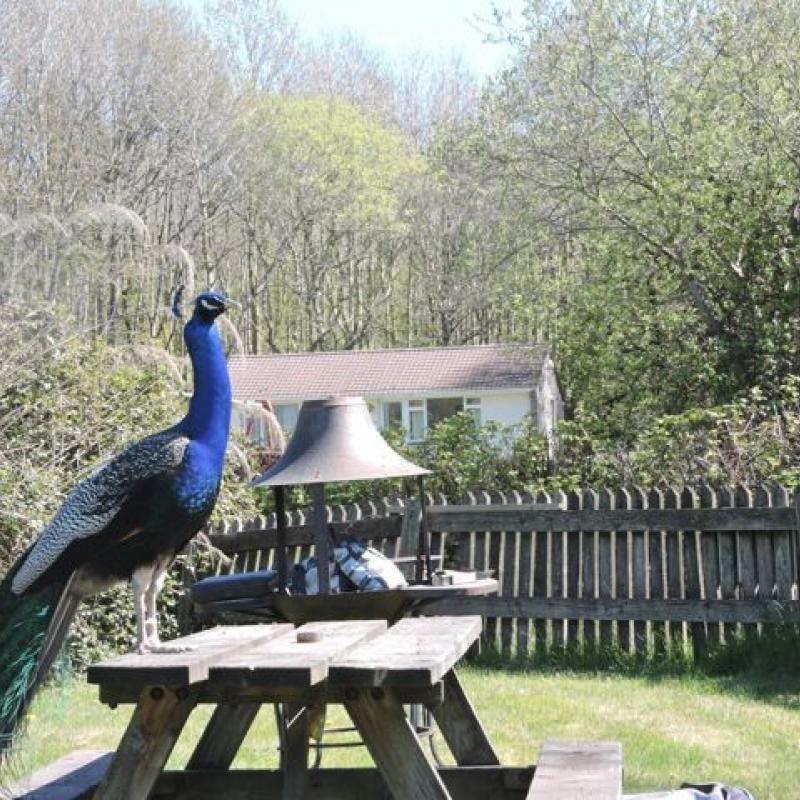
[{"x": 672, "y": 729}]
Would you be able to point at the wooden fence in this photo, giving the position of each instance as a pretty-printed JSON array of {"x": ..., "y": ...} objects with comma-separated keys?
[{"x": 649, "y": 570}]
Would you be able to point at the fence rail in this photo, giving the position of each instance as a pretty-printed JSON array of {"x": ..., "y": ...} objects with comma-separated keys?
[{"x": 648, "y": 570}]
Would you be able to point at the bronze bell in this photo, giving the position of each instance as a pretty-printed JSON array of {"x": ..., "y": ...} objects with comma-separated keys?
[{"x": 336, "y": 440}]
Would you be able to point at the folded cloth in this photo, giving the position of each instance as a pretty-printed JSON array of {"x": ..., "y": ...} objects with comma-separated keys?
[
  {"x": 355, "y": 566},
  {"x": 365, "y": 567},
  {"x": 696, "y": 791}
]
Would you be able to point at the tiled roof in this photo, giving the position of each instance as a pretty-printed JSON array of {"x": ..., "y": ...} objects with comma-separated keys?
[{"x": 417, "y": 370}]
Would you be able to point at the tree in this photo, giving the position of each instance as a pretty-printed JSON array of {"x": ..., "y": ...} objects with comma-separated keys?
[
  {"x": 661, "y": 137},
  {"x": 320, "y": 204}
]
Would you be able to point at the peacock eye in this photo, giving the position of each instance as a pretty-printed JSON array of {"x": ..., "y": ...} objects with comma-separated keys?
[{"x": 207, "y": 305}]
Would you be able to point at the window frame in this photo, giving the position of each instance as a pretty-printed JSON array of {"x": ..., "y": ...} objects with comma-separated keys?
[
  {"x": 417, "y": 406},
  {"x": 474, "y": 404}
]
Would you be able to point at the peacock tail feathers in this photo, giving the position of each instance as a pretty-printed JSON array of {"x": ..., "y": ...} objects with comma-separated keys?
[{"x": 32, "y": 628}]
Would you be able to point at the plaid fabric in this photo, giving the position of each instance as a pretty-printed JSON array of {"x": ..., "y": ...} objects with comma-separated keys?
[
  {"x": 366, "y": 568},
  {"x": 355, "y": 567}
]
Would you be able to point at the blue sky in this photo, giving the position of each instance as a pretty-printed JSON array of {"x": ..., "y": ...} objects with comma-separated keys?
[{"x": 400, "y": 26}]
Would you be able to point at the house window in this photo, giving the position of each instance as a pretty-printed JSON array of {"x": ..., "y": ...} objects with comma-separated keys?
[
  {"x": 287, "y": 416},
  {"x": 472, "y": 405},
  {"x": 440, "y": 408},
  {"x": 392, "y": 414},
  {"x": 416, "y": 420}
]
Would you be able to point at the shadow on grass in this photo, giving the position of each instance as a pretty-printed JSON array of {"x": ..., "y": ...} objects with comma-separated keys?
[{"x": 764, "y": 668}]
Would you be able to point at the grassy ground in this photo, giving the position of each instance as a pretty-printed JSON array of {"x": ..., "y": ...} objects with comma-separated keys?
[{"x": 673, "y": 728}]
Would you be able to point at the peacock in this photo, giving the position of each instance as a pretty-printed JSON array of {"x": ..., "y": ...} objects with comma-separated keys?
[{"x": 126, "y": 521}]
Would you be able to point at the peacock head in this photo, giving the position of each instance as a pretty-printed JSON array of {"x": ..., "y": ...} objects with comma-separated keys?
[{"x": 209, "y": 305}]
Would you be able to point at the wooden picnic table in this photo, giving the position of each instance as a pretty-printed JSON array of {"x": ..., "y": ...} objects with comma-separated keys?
[{"x": 371, "y": 669}]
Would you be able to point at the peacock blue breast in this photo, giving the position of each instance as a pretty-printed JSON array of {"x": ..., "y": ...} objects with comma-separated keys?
[{"x": 198, "y": 481}]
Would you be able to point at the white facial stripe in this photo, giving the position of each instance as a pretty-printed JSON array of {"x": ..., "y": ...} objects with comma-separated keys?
[{"x": 208, "y": 306}]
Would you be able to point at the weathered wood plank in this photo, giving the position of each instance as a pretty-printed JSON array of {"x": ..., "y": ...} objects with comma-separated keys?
[
  {"x": 223, "y": 736},
  {"x": 295, "y": 782},
  {"x": 71, "y": 777},
  {"x": 151, "y": 734},
  {"x": 508, "y": 587},
  {"x": 288, "y": 661},
  {"x": 572, "y": 581},
  {"x": 556, "y": 584},
  {"x": 709, "y": 559},
  {"x": 636, "y": 609},
  {"x": 674, "y": 578},
  {"x": 319, "y": 694},
  {"x": 500, "y": 518},
  {"x": 182, "y": 669},
  {"x": 465, "y": 783},
  {"x": 524, "y": 586},
  {"x": 541, "y": 570},
  {"x": 414, "y": 652},
  {"x": 461, "y": 728},
  {"x": 490, "y": 629},
  {"x": 655, "y": 540},
  {"x": 303, "y": 535},
  {"x": 393, "y": 745},
  {"x": 692, "y": 578},
  {"x": 727, "y": 572},
  {"x": 747, "y": 578},
  {"x": 578, "y": 771},
  {"x": 639, "y": 567},
  {"x": 622, "y": 565}
]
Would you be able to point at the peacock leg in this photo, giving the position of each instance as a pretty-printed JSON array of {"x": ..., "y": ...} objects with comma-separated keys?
[
  {"x": 140, "y": 580},
  {"x": 155, "y": 645}
]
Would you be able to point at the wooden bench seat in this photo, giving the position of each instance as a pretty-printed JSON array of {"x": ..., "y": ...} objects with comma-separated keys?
[
  {"x": 71, "y": 777},
  {"x": 578, "y": 771}
]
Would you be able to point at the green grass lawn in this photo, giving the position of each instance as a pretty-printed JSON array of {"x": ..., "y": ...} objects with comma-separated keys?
[{"x": 672, "y": 728}]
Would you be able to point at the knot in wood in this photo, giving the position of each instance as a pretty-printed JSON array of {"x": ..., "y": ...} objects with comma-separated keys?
[{"x": 306, "y": 637}]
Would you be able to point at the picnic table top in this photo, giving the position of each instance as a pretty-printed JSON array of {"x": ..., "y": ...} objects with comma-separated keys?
[{"x": 415, "y": 652}]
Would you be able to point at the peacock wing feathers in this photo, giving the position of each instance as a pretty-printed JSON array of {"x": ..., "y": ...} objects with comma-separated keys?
[{"x": 94, "y": 502}]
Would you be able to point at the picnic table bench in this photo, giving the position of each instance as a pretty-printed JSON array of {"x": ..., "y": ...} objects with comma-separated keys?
[{"x": 370, "y": 668}]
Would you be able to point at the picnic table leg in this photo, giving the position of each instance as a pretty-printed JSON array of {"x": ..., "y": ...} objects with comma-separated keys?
[
  {"x": 223, "y": 735},
  {"x": 295, "y": 761},
  {"x": 151, "y": 734},
  {"x": 392, "y": 743},
  {"x": 460, "y": 726}
]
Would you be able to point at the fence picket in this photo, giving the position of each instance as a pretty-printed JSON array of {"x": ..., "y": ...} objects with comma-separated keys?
[
  {"x": 746, "y": 572},
  {"x": 782, "y": 541},
  {"x": 588, "y": 543},
  {"x": 541, "y": 577},
  {"x": 693, "y": 581},
  {"x": 639, "y": 560},
  {"x": 622, "y": 565}
]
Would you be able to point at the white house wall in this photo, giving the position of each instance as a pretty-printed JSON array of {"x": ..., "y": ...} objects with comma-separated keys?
[{"x": 507, "y": 409}]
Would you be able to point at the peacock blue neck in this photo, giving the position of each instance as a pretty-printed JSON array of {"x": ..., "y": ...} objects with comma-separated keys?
[{"x": 209, "y": 415}]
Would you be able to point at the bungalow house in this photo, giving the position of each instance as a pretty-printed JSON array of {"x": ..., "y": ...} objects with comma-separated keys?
[{"x": 414, "y": 386}]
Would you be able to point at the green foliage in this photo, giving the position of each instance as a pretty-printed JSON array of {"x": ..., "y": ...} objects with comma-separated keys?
[
  {"x": 651, "y": 141},
  {"x": 334, "y": 154},
  {"x": 750, "y": 441}
]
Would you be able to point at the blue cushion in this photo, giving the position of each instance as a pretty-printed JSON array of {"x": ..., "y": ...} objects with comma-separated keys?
[{"x": 235, "y": 587}]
